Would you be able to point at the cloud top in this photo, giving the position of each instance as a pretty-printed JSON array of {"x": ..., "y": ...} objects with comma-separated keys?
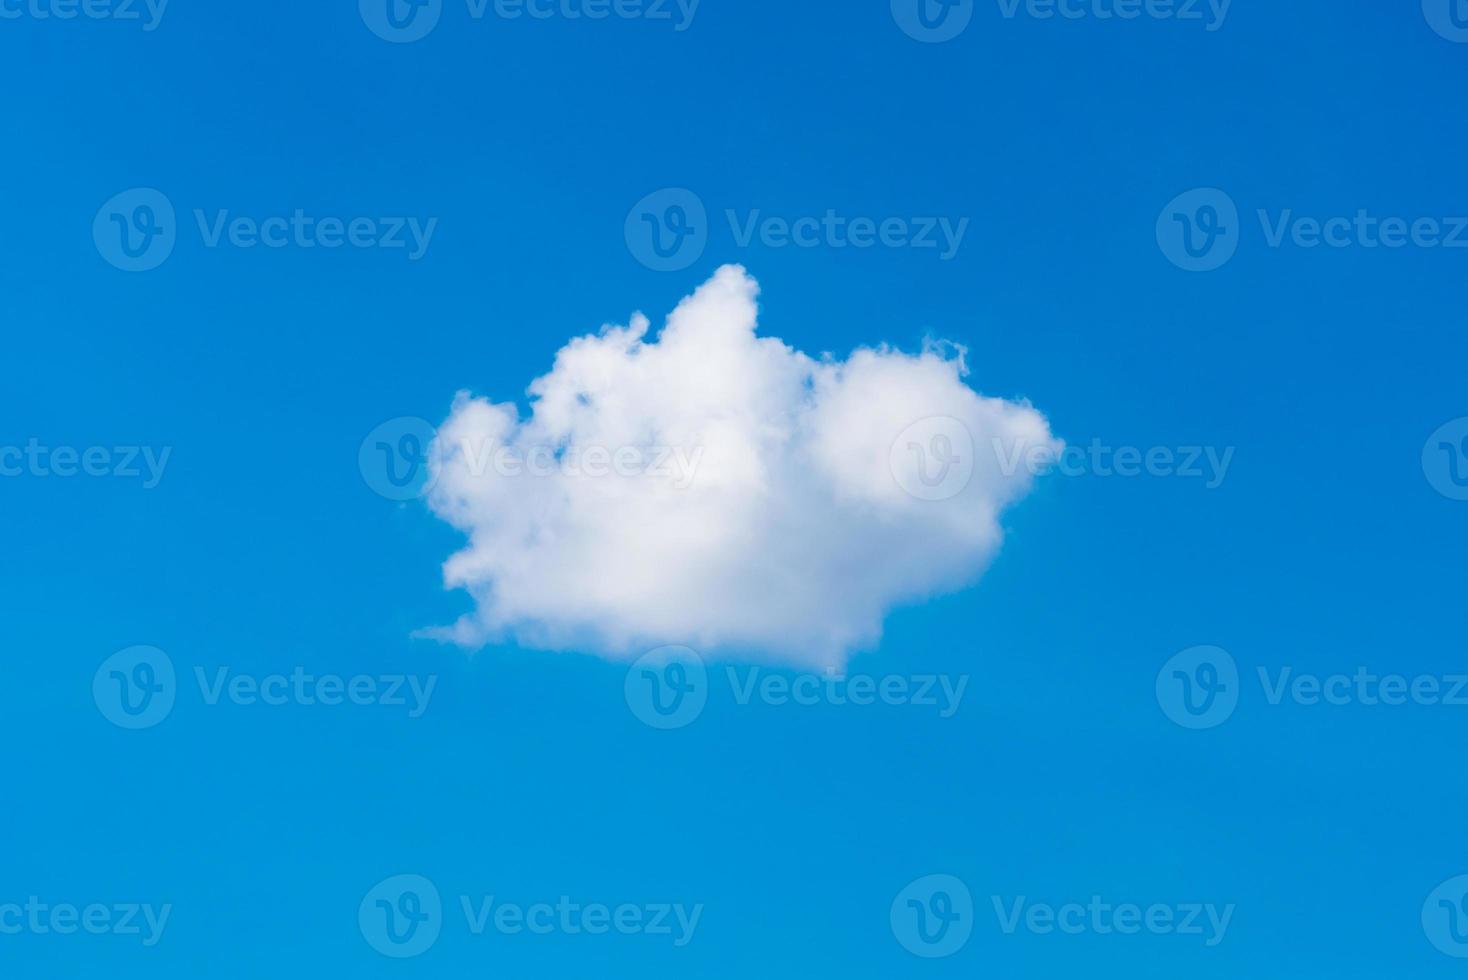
[{"x": 718, "y": 489}]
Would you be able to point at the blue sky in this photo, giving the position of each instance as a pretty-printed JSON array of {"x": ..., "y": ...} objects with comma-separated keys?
[{"x": 1330, "y": 546}]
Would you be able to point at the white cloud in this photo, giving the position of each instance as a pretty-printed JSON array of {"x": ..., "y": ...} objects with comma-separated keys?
[{"x": 808, "y": 497}]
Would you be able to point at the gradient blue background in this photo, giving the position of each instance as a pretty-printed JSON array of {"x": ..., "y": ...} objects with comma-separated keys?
[{"x": 528, "y": 778}]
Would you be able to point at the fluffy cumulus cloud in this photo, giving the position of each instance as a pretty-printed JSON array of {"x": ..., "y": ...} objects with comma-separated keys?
[{"x": 717, "y": 489}]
